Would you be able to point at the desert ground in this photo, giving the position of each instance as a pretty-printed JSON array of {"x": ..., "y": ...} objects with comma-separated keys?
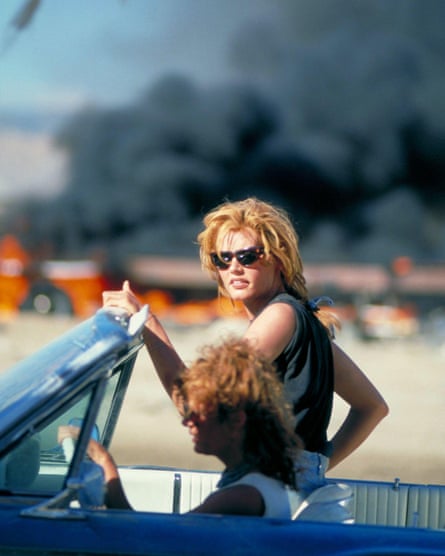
[{"x": 409, "y": 444}]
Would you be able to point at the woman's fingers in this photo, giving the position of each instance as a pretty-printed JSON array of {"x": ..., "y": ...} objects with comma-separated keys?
[
  {"x": 67, "y": 431},
  {"x": 124, "y": 298}
]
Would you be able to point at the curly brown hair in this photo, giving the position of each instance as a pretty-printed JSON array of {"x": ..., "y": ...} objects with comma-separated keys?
[{"x": 234, "y": 376}]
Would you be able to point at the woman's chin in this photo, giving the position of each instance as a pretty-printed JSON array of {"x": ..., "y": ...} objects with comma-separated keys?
[{"x": 200, "y": 449}]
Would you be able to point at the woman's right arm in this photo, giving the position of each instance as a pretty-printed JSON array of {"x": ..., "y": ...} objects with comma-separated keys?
[{"x": 165, "y": 359}]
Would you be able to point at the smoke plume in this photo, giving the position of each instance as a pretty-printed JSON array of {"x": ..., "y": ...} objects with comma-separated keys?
[{"x": 337, "y": 115}]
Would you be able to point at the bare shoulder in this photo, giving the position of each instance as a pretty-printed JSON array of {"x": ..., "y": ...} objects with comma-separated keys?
[
  {"x": 272, "y": 329},
  {"x": 279, "y": 309},
  {"x": 281, "y": 315}
]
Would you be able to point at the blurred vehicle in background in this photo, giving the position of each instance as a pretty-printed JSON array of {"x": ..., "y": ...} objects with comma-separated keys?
[
  {"x": 47, "y": 287},
  {"x": 386, "y": 320},
  {"x": 176, "y": 289}
]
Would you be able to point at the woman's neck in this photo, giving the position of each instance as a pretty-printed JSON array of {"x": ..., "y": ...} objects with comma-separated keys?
[
  {"x": 233, "y": 474},
  {"x": 254, "y": 307}
]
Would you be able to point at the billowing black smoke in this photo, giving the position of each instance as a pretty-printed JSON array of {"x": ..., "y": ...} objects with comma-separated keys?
[{"x": 341, "y": 123}]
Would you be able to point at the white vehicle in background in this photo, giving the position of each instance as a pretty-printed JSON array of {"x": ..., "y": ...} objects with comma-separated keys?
[{"x": 380, "y": 320}]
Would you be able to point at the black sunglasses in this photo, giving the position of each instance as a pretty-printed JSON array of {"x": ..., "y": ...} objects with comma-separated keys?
[{"x": 245, "y": 257}]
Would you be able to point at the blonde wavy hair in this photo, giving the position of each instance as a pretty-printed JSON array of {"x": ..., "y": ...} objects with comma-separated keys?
[
  {"x": 233, "y": 376},
  {"x": 275, "y": 233}
]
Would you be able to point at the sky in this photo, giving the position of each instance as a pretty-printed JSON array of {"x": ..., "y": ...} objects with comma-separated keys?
[{"x": 77, "y": 52}]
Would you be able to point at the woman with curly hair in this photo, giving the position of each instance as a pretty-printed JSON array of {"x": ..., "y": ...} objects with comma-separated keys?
[
  {"x": 251, "y": 249},
  {"x": 232, "y": 403}
]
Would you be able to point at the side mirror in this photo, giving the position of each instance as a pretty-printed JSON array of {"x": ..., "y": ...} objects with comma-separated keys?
[
  {"x": 87, "y": 489},
  {"x": 89, "y": 485}
]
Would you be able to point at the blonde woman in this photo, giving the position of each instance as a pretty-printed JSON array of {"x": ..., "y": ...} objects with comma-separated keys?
[{"x": 251, "y": 249}]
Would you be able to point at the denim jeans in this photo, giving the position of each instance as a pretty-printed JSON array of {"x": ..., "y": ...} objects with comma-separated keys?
[
  {"x": 310, "y": 475},
  {"x": 310, "y": 471}
]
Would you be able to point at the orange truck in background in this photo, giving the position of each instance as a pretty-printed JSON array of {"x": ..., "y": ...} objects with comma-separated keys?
[
  {"x": 75, "y": 287},
  {"x": 57, "y": 287}
]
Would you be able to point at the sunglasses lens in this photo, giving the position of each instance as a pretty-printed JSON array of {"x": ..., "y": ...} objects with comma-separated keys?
[
  {"x": 218, "y": 261},
  {"x": 247, "y": 258}
]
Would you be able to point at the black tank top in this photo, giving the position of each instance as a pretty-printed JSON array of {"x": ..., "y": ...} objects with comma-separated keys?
[{"x": 306, "y": 369}]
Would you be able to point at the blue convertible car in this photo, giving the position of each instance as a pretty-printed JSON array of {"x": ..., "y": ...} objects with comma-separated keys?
[{"x": 51, "y": 496}]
